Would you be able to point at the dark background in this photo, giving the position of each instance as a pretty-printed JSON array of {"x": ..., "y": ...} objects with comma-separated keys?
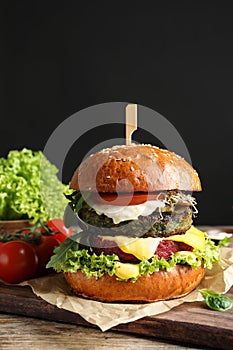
[{"x": 176, "y": 58}]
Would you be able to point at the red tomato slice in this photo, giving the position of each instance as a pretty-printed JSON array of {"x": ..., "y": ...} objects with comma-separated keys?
[
  {"x": 44, "y": 251},
  {"x": 57, "y": 225},
  {"x": 125, "y": 198},
  {"x": 18, "y": 261}
]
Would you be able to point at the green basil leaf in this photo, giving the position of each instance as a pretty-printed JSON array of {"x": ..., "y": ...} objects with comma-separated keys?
[{"x": 216, "y": 301}]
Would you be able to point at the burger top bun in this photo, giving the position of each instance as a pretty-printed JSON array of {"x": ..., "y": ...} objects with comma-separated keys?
[{"x": 135, "y": 168}]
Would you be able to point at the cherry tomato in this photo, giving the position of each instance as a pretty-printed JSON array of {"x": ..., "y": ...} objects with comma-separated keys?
[
  {"x": 18, "y": 261},
  {"x": 125, "y": 198},
  {"x": 60, "y": 237},
  {"x": 25, "y": 232},
  {"x": 57, "y": 225},
  {"x": 44, "y": 251}
]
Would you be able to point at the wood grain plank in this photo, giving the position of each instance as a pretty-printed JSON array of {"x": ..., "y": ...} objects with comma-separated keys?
[
  {"x": 17, "y": 332},
  {"x": 191, "y": 323}
]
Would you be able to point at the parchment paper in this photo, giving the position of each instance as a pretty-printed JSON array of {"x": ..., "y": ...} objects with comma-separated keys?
[{"x": 55, "y": 291}]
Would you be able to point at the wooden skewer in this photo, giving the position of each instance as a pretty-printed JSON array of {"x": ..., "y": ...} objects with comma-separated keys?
[{"x": 130, "y": 122}]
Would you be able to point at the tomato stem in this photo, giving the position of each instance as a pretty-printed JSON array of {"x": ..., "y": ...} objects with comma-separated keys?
[{"x": 29, "y": 234}]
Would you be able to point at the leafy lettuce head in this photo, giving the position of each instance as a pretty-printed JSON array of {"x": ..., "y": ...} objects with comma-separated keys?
[{"x": 29, "y": 187}]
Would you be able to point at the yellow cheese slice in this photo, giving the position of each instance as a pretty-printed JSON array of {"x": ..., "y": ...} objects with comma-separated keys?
[
  {"x": 193, "y": 237},
  {"x": 126, "y": 271},
  {"x": 141, "y": 248},
  {"x": 144, "y": 248}
]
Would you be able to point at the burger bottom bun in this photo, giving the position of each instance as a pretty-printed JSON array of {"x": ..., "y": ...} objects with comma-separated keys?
[{"x": 162, "y": 285}]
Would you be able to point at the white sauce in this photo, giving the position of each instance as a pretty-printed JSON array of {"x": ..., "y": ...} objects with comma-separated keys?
[{"x": 123, "y": 213}]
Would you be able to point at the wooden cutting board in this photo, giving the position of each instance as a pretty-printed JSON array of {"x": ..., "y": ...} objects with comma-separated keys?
[{"x": 190, "y": 323}]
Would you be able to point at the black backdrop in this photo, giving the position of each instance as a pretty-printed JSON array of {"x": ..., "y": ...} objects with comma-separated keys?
[{"x": 58, "y": 58}]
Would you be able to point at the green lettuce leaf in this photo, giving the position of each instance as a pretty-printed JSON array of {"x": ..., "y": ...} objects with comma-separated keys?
[
  {"x": 29, "y": 187},
  {"x": 210, "y": 255},
  {"x": 225, "y": 242},
  {"x": 68, "y": 258}
]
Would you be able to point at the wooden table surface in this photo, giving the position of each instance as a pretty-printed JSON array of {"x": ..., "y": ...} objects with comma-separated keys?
[{"x": 22, "y": 333}]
